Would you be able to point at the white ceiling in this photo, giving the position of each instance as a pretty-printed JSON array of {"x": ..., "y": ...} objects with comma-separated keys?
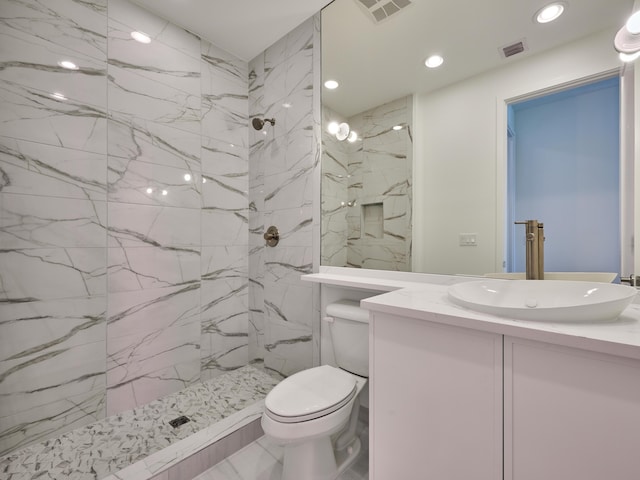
[
  {"x": 242, "y": 27},
  {"x": 377, "y": 63}
]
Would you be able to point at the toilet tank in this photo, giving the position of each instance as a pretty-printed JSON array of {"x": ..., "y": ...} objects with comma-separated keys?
[{"x": 349, "y": 327}]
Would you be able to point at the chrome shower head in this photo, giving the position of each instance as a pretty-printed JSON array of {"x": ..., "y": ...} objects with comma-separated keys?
[{"x": 258, "y": 123}]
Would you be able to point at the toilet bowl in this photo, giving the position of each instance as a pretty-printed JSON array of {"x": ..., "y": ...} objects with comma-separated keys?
[
  {"x": 304, "y": 411},
  {"x": 313, "y": 414}
]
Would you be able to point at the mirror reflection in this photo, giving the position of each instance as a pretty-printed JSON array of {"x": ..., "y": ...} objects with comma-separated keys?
[{"x": 424, "y": 186}]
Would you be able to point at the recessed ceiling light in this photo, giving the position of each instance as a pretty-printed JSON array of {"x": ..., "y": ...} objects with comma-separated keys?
[
  {"x": 629, "y": 57},
  {"x": 434, "y": 61},
  {"x": 68, "y": 65},
  {"x": 140, "y": 37},
  {"x": 549, "y": 13},
  {"x": 331, "y": 84},
  {"x": 58, "y": 96}
]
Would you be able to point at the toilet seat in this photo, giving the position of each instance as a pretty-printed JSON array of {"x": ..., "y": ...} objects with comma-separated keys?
[{"x": 310, "y": 394}]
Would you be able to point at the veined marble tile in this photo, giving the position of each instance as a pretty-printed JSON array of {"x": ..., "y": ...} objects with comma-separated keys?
[
  {"x": 148, "y": 388},
  {"x": 288, "y": 347},
  {"x": 224, "y": 226},
  {"x": 146, "y": 225},
  {"x": 288, "y": 303},
  {"x": 224, "y": 158},
  {"x": 295, "y": 106},
  {"x": 35, "y": 168},
  {"x": 380, "y": 256},
  {"x": 283, "y": 190},
  {"x": 227, "y": 262},
  {"x": 52, "y": 273},
  {"x": 140, "y": 356},
  {"x": 46, "y": 374},
  {"x": 256, "y": 335},
  {"x": 397, "y": 218},
  {"x": 256, "y": 270},
  {"x": 77, "y": 26},
  {"x": 34, "y": 65},
  {"x": 334, "y": 238},
  {"x": 225, "y": 112},
  {"x": 156, "y": 61},
  {"x": 149, "y": 312},
  {"x": 30, "y": 221},
  {"x": 48, "y": 358},
  {"x": 288, "y": 69},
  {"x": 34, "y": 115},
  {"x": 387, "y": 182},
  {"x": 257, "y": 227},
  {"x": 218, "y": 62},
  {"x": 132, "y": 94},
  {"x": 137, "y": 139},
  {"x": 224, "y": 335},
  {"x": 289, "y": 152},
  {"x": 132, "y": 181},
  {"x": 230, "y": 190},
  {"x": 294, "y": 226},
  {"x": 144, "y": 268},
  {"x": 128, "y": 13},
  {"x": 49, "y": 420}
]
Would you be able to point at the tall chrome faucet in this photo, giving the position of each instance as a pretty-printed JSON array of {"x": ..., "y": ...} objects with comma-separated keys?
[{"x": 535, "y": 249}]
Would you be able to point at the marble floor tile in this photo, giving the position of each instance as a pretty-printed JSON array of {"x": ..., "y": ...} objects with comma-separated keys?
[
  {"x": 105, "y": 447},
  {"x": 262, "y": 460}
]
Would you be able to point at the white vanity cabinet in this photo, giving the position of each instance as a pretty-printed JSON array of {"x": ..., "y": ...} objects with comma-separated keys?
[
  {"x": 570, "y": 413},
  {"x": 444, "y": 398},
  {"x": 461, "y": 395},
  {"x": 436, "y": 394}
]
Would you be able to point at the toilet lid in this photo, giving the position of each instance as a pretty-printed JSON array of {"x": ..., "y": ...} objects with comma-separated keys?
[{"x": 310, "y": 394}]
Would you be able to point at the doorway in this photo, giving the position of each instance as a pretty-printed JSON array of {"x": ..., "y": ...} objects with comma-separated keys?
[{"x": 563, "y": 169}]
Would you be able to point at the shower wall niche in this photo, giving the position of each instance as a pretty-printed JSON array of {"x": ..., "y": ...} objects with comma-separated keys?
[{"x": 367, "y": 190}]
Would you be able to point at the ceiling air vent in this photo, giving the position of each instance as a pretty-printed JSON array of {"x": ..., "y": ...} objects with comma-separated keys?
[
  {"x": 380, "y": 10},
  {"x": 513, "y": 49}
]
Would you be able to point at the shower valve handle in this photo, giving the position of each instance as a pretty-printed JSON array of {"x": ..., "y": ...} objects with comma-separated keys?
[{"x": 272, "y": 236}]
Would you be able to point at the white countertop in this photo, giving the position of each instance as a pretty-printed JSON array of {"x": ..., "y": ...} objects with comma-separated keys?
[{"x": 423, "y": 296}]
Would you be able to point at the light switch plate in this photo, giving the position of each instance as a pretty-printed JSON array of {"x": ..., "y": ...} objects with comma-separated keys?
[{"x": 468, "y": 239}]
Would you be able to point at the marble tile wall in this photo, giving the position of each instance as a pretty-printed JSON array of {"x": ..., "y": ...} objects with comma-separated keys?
[
  {"x": 335, "y": 171},
  {"x": 381, "y": 172},
  {"x": 376, "y": 169},
  {"x": 283, "y": 171},
  {"x": 53, "y": 218},
  {"x": 123, "y": 213}
]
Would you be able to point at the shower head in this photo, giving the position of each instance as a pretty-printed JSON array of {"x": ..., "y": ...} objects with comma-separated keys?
[{"x": 258, "y": 123}]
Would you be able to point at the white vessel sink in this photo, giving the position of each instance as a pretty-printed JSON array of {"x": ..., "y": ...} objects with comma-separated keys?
[
  {"x": 576, "y": 276},
  {"x": 555, "y": 301}
]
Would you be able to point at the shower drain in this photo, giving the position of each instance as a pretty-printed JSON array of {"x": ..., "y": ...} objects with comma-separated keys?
[{"x": 176, "y": 422}]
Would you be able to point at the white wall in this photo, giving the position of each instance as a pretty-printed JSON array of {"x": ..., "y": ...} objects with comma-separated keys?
[{"x": 458, "y": 169}]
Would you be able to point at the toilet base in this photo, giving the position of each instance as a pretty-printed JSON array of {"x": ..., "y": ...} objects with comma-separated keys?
[{"x": 316, "y": 459}]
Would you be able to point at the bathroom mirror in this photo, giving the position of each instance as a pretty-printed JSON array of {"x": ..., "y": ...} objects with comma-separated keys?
[{"x": 431, "y": 196}]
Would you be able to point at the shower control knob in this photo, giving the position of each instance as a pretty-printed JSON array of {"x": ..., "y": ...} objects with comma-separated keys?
[{"x": 272, "y": 236}]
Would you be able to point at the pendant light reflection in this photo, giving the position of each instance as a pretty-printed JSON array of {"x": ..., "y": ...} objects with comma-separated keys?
[
  {"x": 342, "y": 131},
  {"x": 627, "y": 40}
]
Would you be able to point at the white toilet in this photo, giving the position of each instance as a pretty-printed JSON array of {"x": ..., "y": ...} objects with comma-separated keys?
[{"x": 313, "y": 414}]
